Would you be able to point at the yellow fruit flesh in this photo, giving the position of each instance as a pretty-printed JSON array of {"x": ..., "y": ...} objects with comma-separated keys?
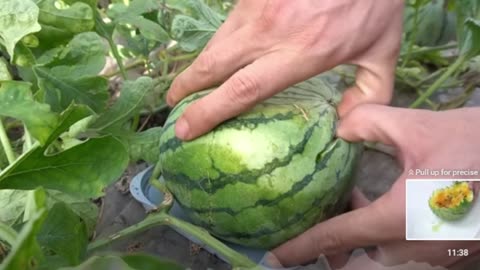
[{"x": 453, "y": 196}]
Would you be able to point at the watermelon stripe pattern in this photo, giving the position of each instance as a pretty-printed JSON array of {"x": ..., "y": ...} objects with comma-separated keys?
[{"x": 267, "y": 175}]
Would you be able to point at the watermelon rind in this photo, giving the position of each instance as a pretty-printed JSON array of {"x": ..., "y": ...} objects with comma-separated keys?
[{"x": 267, "y": 175}]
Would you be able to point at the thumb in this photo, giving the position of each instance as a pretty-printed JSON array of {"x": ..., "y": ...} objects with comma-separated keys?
[
  {"x": 373, "y": 225},
  {"x": 369, "y": 88},
  {"x": 378, "y": 123}
]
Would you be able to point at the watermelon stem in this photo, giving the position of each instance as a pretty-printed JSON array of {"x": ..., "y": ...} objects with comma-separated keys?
[{"x": 161, "y": 218}]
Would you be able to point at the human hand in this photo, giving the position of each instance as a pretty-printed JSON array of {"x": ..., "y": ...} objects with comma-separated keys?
[
  {"x": 422, "y": 139},
  {"x": 266, "y": 46},
  {"x": 475, "y": 186}
]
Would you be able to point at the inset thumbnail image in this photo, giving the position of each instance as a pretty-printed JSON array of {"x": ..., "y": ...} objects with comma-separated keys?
[{"x": 442, "y": 210}]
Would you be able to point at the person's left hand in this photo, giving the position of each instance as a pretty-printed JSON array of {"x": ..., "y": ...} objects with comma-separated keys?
[{"x": 423, "y": 139}]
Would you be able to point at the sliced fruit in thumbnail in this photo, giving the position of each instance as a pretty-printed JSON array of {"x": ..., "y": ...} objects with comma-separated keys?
[{"x": 453, "y": 202}]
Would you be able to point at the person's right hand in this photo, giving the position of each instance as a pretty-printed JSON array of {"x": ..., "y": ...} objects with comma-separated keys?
[
  {"x": 423, "y": 139},
  {"x": 266, "y": 46}
]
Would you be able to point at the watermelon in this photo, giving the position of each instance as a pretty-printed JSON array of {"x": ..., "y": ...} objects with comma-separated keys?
[
  {"x": 453, "y": 202},
  {"x": 267, "y": 175}
]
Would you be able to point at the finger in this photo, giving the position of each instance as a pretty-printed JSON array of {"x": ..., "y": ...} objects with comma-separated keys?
[
  {"x": 370, "y": 87},
  {"x": 359, "y": 200},
  {"x": 233, "y": 22},
  {"x": 372, "y": 225},
  {"x": 475, "y": 186},
  {"x": 389, "y": 125},
  {"x": 371, "y": 123},
  {"x": 338, "y": 261},
  {"x": 216, "y": 64},
  {"x": 376, "y": 72},
  {"x": 250, "y": 85}
]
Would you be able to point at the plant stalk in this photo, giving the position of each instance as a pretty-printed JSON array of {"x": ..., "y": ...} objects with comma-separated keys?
[
  {"x": 28, "y": 139},
  {"x": 161, "y": 218},
  {"x": 413, "y": 38},
  {"x": 7, "y": 147},
  {"x": 438, "y": 83},
  {"x": 127, "y": 67},
  {"x": 430, "y": 49}
]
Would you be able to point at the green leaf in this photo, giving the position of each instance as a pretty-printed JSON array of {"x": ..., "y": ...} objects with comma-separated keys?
[
  {"x": 148, "y": 262},
  {"x": 34, "y": 201},
  {"x": 135, "y": 8},
  {"x": 465, "y": 9},
  {"x": 471, "y": 45},
  {"x": 16, "y": 101},
  {"x": 194, "y": 33},
  {"x": 64, "y": 233},
  {"x": 132, "y": 15},
  {"x": 145, "y": 145},
  {"x": 4, "y": 73},
  {"x": 84, "y": 56},
  {"x": 69, "y": 74},
  {"x": 69, "y": 117},
  {"x": 7, "y": 234},
  {"x": 84, "y": 170},
  {"x": 75, "y": 18},
  {"x": 12, "y": 206},
  {"x": 18, "y": 18},
  {"x": 129, "y": 262},
  {"x": 149, "y": 29},
  {"x": 26, "y": 253},
  {"x": 82, "y": 207},
  {"x": 61, "y": 92},
  {"x": 13, "y": 202},
  {"x": 23, "y": 56},
  {"x": 130, "y": 102}
]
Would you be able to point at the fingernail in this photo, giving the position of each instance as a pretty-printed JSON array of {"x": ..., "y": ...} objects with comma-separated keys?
[{"x": 182, "y": 129}]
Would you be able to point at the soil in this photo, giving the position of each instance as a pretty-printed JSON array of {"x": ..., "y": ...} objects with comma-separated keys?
[{"x": 375, "y": 176}]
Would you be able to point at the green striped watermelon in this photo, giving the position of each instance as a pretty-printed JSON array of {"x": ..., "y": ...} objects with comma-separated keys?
[{"x": 267, "y": 175}]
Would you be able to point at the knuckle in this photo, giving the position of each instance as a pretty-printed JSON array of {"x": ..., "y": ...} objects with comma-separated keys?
[
  {"x": 329, "y": 244},
  {"x": 244, "y": 89},
  {"x": 269, "y": 16},
  {"x": 205, "y": 64},
  {"x": 176, "y": 87}
]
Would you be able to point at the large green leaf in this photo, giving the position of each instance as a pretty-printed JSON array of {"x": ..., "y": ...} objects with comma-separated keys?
[
  {"x": 16, "y": 101},
  {"x": 148, "y": 28},
  {"x": 130, "y": 102},
  {"x": 194, "y": 33},
  {"x": 84, "y": 170},
  {"x": 64, "y": 233},
  {"x": 74, "y": 18},
  {"x": 12, "y": 206},
  {"x": 128, "y": 262},
  {"x": 84, "y": 56},
  {"x": 69, "y": 74},
  {"x": 60, "y": 92},
  {"x": 145, "y": 145},
  {"x": 18, "y": 18},
  {"x": 84, "y": 208},
  {"x": 132, "y": 15},
  {"x": 26, "y": 253}
]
